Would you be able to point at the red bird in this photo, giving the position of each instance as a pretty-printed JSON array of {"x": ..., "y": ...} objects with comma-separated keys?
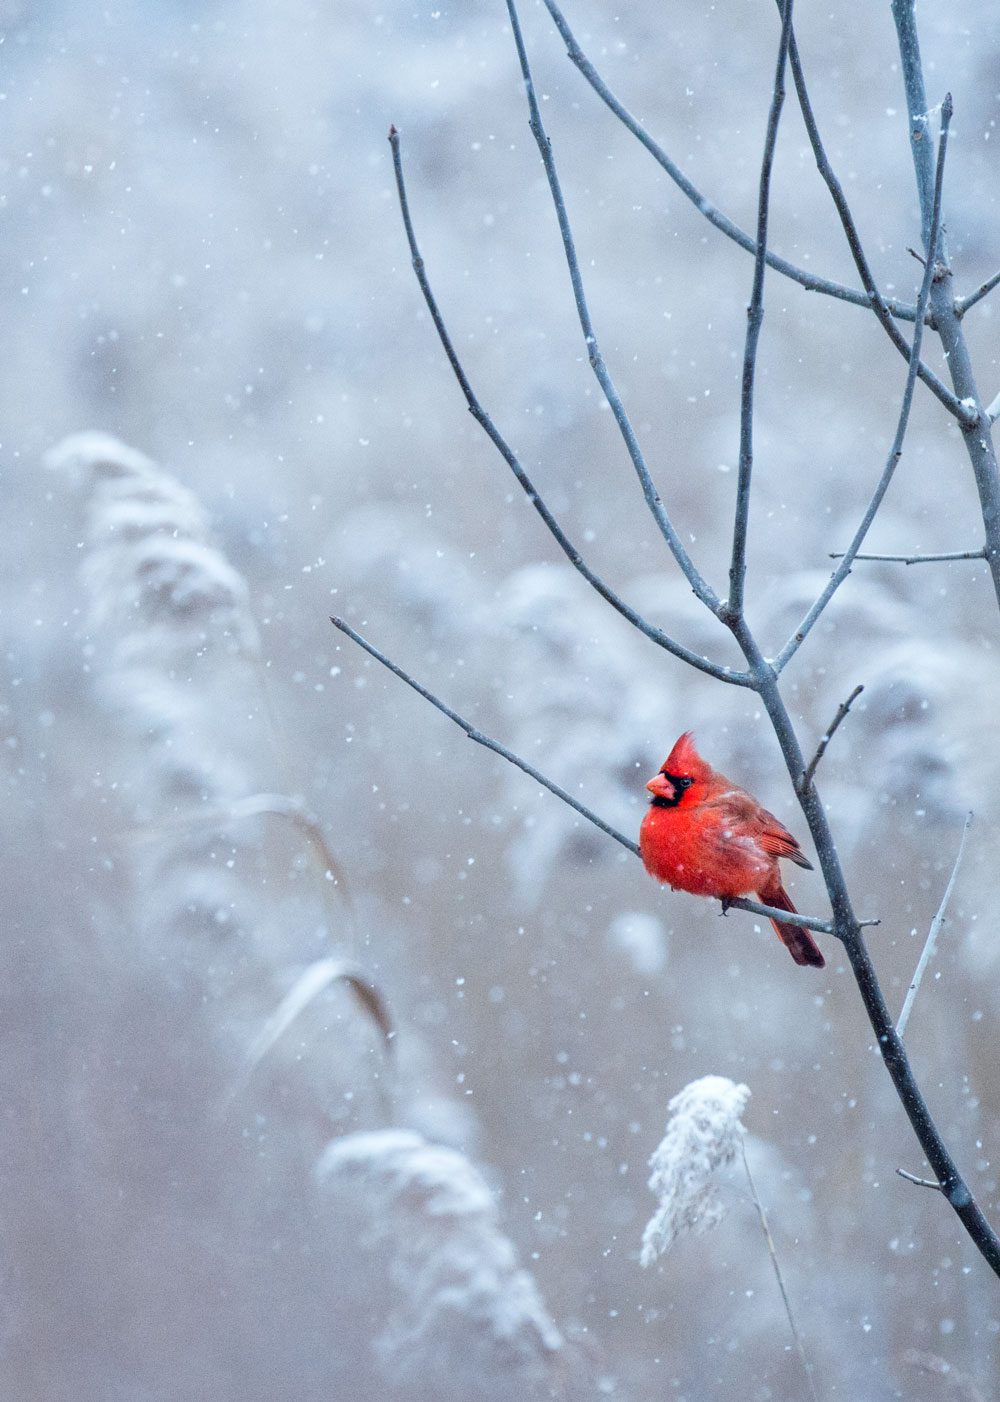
[{"x": 706, "y": 835}]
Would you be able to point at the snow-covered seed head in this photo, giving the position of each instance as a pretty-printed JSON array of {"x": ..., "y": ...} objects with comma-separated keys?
[
  {"x": 91, "y": 456},
  {"x": 462, "y": 1301},
  {"x": 153, "y": 573},
  {"x": 703, "y": 1134},
  {"x": 169, "y": 632}
]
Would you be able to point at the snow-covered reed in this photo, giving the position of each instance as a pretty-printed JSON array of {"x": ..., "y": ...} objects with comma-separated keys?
[
  {"x": 466, "y": 1320},
  {"x": 162, "y": 604},
  {"x": 151, "y": 569},
  {"x": 703, "y": 1135},
  {"x": 173, "y": 649}
]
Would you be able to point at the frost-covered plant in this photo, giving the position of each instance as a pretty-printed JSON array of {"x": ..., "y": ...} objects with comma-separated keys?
[
  {"x": 152, "y": 571},
  {"x": 167, "y": 620},
  {"x": 465, "y": 1319},
  {"x": 703, "y": 1135},
  {"x": 173, "y": 648}
]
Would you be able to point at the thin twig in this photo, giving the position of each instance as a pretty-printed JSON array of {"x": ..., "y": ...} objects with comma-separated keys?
[
  {"x": 922, "y": 559},
  {"x": 895, "y": 453},
  {"x": 755, "y": 317},
  {"x": 932, "y": 935},
  {"x": 905, "y": 311},
  {"x": 877, "y": 302},
  {"x": 962, "y": 304},
  {"x": 920, "y": 1182},
  {"x": 700, "y": 586},
  {"x": 480, "y": 739},
  {"x": 656, "y": 635},
  {"x": 824, "y": 927},
  {"x": 809, "y": 772},
  {"x": 992, "y": 410},
  {"x": 978, "y": 440},
  {"x": 772, "y": 1252},
  {"x": 961, "y": 1387}
]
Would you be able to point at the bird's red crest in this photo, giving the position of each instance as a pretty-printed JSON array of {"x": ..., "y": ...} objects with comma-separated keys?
[{"x": 685, "y": 759}]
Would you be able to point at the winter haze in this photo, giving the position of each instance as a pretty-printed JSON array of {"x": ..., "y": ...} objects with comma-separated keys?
[{"x": 232, "y": 841}]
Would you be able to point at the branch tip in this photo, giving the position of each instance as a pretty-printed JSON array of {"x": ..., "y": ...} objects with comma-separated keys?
[
  {"x": 920, "y": 1182},
  {"x": 932, "y": 934},
  {"x": 946, "y": 556},
  {"x": 902, "y": 423},
  {"x": 755, "y": 317},
  {"x": 809, "y": 772},
  {"x": 963, "y": 304}
]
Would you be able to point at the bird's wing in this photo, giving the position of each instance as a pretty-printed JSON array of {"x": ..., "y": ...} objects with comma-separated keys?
[
  {"x": 746, "y": 816},
  {"x": 777, "y": 841}
]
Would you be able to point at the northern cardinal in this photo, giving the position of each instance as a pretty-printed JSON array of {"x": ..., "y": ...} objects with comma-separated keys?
[{"x": 706, "y": 835}]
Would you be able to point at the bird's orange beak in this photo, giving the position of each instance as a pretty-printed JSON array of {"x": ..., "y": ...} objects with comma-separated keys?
[{"x": 661, "y": 786}]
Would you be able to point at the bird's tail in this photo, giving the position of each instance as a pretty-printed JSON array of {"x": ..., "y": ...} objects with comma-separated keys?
[{"x": 799, "y": 942}]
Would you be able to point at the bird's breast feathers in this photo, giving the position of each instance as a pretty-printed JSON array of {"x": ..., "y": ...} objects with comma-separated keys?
[{"x": 709, "y": 853}]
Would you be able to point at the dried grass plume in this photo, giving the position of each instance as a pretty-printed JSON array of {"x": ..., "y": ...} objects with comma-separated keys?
[
  {"x": 464, "y": 1311},
  {"x": 703, "y": 1134}
]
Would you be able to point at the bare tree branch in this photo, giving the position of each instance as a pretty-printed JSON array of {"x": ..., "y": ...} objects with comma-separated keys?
[
  {"x": 480, "y": 739},
  {"x": 922, "y": 559},
  {"x": 962, "y": 304},
  {"x": 824, "y": 927},
  {"x": 878, "y": 303},
  {"x": 932, "y": 935},
  {"x": 920, "y": 1182},
  {"x": 905, "y": 311},
  {"x": 978, "y": 435},
  {"x": 656, "y": 635},
  {"x": 809, "y": 772},
  {"x": 845, "y": 926},
  {"x": 896, "y": 451},
  {"x": 701, "y": 588},
  {"x": 848, "y": 929},
  {"x": 885, "y": 308},
  {"x": 755, "y": 317},
  {"x": 762, "y": 675}
]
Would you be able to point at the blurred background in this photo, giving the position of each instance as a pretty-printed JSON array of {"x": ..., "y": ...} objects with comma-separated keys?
[{"x": 204, "y": 258}]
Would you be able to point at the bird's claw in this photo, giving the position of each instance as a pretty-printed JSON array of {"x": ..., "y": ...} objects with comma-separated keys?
[{"x": 726, "y": 904}]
